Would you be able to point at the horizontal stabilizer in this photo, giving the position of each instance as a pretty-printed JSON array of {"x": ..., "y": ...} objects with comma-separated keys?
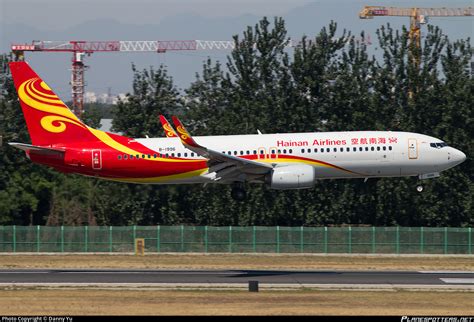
[{"x": 37, "y": 149}]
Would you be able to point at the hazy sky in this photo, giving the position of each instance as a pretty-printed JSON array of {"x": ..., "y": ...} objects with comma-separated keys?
[
  {"x": 66, "y": 13},
  {"x": 22, "y": 21}
]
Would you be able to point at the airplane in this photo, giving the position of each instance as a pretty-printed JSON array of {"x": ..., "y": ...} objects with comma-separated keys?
[{"x": 281, "y": 161}]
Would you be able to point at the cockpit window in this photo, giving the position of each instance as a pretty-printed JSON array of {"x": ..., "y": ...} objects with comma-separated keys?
[{"x": 438, "y": 145}]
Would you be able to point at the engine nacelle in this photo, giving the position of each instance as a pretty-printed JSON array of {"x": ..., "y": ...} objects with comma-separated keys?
[{"x": 292, "y": 177}]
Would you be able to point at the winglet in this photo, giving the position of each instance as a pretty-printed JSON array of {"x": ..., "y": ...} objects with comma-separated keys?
[
  {"x": 169, "y": 131},
  {"x": 183, "y": 134}
]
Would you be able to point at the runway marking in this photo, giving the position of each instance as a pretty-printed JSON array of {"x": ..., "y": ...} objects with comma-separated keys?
[
  {"x": 458, "y": 280},
  {"x": 173, "y": 286},
  {"x": 30, "y": 272},
  {"x": 146, "y": 272},
  {"x": 446, "y": 272}
]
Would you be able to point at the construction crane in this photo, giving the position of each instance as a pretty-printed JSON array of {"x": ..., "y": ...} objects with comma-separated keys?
[
  {"x": 418, "y": 16},
  {"x": 80, "y": 48}
]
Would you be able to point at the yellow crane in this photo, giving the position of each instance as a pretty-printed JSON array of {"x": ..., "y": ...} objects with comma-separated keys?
[{"x": 418, "y": 16}]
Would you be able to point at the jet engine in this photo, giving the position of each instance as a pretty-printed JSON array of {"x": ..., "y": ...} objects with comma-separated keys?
[{"x": 291, "y": 177}]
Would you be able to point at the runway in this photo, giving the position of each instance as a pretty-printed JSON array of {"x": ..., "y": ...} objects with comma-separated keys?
[{"x": 239, "y": 278}]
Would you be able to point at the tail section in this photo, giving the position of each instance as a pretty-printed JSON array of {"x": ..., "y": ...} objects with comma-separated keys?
[{"x": 49, "y": 120}]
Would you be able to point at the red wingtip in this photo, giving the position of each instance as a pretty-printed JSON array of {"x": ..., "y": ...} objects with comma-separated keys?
[
  {"x": 169, "y": 131},
  {"x": 183, "y": 133}
]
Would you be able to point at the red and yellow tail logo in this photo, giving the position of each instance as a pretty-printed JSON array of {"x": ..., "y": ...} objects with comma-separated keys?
[
  {"x": 183, "y": 133},
  {"x": 170, "y": 133},
  {"x": 51, "y": 123},
  {"x": 48, "y": 119}
]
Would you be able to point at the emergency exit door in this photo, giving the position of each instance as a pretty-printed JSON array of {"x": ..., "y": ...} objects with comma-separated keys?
[
  {"x": 412, "y": 149},
  {"x": 96, "y": 159}
]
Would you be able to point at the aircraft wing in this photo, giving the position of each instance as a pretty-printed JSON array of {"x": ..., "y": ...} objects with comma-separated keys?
[
  {"x": 169, "y": 131},
  {"x": 227, "y": 167}
]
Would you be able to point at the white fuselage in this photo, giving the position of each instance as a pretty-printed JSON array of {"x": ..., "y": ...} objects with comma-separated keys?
[{"x": 360, "y": 154}]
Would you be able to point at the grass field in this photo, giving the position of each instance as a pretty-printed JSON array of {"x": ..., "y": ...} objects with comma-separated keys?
[
  {"x": 240, "y": 261},
  {"x": 148, "y": 302}
]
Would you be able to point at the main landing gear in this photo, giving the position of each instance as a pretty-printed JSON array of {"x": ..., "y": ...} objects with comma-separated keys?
[{"x": 238, "y": 193}]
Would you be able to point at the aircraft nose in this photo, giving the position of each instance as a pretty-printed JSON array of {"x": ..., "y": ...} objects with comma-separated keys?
[{"x": 457, "y": 156}]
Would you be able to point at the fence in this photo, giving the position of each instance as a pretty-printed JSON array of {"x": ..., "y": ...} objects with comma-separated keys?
[{"x": 374, "y": 240}]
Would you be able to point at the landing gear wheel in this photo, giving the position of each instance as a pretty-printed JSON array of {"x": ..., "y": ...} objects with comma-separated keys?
[
  {"x": 419, "y": 188},
  {"x": 238, "y": 194}
]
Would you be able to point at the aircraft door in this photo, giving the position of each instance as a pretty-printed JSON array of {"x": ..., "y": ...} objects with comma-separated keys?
[
  {"x": 412, "y": 149},
  {"x": 96, "y": 159}
]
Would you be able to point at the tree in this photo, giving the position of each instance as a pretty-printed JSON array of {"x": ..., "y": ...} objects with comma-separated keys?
[{"x": 153, "y": 94}]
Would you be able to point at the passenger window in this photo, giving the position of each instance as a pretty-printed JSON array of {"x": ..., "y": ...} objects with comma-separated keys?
[
  {"x": 342, "y": 149},
  {"x": 316, "y": 150},
  {"x": 384, "y": 148},
  {"x": 254, "y": 151},
  {"x": 378, "y": 148},
  {"x": 138, "y": 156},
  {"x": 328, "y": 150},
  {"x": 284, "y": 151},
  {"x": 335, "y": 149},
  {"x": 322, "y": 150},
  {"x": 366, "y": 148},
  {"x": 302, "y": 150},
  {"x": 154, "y": 155},
  {"x": 291, "y": 151},
  {"x": 185, "y": 154},
  {"x": 192, "y": 154},
  {"x": 248, "y": 152},
  {"x": 348, "y": 149},
  {"x": 372, "y": 149},
  {"x": 143, "y": 156},
  {"x": 149, "y": 156},
  {"x": 241, "y": 152},
  {"x": 119, "y": 157},
  {"x": 179, "y": 155},
  {"x": 360, "y": 148},
  {"x": 309, "y": 150},
  {"x": 125, "y": 156},
  {"x": 131, "y": 157},
  {"x": 390, "y": 148},
  {"x": 172, "y": 154}
]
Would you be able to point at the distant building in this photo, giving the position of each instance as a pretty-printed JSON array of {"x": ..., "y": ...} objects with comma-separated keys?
[
  {"x": 106, "y": 125},
  {"x": 104, "y": 98},
  {"x": 90, "y": 97}
]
